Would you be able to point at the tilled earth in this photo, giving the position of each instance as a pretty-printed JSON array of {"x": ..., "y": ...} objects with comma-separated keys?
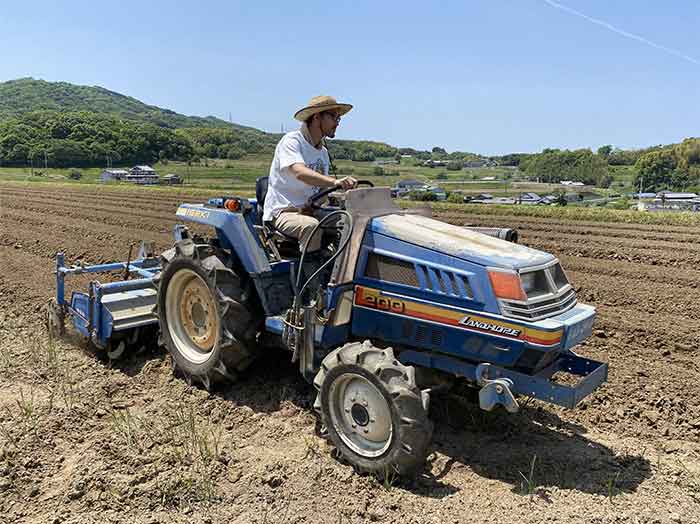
[{"x": 83, "y": 439}]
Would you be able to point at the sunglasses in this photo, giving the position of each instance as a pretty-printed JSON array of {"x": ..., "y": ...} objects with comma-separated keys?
[{"x": 334, "y": 116}]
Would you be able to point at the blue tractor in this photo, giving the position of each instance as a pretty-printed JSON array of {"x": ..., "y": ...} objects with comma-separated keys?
[{"x": 400, "y": 307}]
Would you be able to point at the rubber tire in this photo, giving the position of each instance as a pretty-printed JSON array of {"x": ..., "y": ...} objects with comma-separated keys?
[
  {"x": 234, "y": 350},
  {"x": 412, "y": 430}
]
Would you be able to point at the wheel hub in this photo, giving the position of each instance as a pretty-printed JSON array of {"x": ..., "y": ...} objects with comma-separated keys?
[
  {"x": 196, "y": 312},
  {"x": 361, "y": 415},
  {"x": 192, "y": 315}
]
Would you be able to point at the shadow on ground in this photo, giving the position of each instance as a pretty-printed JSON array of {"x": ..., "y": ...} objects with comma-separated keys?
[
  {"x": 494, "y": 445},
  {"x": 502, "y": 446}
]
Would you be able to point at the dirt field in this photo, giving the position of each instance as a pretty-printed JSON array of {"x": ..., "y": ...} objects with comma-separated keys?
[{"x": 85, "y": 440}]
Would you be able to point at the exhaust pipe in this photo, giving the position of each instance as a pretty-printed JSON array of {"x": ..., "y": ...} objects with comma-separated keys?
[{"x": 511, "y": 235}]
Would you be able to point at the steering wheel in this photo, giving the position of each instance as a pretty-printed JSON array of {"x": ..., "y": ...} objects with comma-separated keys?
[{"x": 311, "y": 202}]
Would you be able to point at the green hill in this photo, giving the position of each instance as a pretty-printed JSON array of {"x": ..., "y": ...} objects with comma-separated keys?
[
  {"x": 82, "y": 125},
  {"x": 18, "y": 97}
]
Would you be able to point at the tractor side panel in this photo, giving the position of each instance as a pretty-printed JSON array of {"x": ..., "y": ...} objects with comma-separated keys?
[
  {"x": 415, "y": 297},
  {"x": 414, "y": 271},
  {"x": 394, "y": 319}
]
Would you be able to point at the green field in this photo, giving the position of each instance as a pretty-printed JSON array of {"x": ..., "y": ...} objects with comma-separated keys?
[{"x": 241, "y": 175}]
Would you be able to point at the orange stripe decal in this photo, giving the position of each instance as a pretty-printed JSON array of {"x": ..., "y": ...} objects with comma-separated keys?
[{"x": 374, "y": 299}]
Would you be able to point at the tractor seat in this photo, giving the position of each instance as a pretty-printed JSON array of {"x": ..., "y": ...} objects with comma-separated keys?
[{"x": 287, "y": 246}]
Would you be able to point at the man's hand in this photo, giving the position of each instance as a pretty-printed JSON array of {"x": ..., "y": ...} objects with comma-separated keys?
[{"x": 347, "y": 183}]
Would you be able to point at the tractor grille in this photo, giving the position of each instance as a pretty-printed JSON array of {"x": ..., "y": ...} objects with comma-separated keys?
[
  {"x": 445, "y": 282},
  {"x": 388, "y": 269},
  {"x": 397, "y": 271},
  {"x": 548, "y": 294},
  {"x": 426, "y": 335}
]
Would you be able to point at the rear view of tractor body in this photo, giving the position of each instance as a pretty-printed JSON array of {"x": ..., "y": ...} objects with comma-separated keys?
[{"x": 403, "y": 305}]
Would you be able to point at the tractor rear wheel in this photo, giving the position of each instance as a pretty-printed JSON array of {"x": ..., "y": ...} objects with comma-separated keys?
[
  {"x": 204, "y": 323},
  {"x": 373, "y": 409}
]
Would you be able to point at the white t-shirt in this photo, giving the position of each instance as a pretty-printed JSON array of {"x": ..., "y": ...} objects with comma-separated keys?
[{"x": 284, "y": 190}]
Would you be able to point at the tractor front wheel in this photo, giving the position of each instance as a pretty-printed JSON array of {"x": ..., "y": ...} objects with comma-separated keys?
[{"x": 373, "y": 409}]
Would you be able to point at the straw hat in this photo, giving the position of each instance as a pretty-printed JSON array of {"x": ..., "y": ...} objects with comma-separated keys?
[{"x": 321, "y": 103}]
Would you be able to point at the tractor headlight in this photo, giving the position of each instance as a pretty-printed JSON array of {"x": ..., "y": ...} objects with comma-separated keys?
[
  {"x": 528, "y": 282},
  {"x": 535, "y": 283}
]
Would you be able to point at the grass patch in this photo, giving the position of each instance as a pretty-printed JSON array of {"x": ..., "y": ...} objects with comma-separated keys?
[
  {"x": 194, "y": 444},
  {"x": 612, "y": 488},
  {"x": 527, "y": 484},
  {"x": 584, "y": 214}
]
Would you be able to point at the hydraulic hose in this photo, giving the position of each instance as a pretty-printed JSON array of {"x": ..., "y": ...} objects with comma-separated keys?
[{"x": 343, "y": 245}]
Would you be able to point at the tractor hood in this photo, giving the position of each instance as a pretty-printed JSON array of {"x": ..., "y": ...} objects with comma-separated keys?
[{"x": 458, "y": 241}]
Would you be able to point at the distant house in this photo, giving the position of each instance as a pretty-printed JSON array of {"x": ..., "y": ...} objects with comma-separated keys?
[
  {"x": 439, "y": 193},
  {"x": 504, "y": 200},
  {"x": 570, "y": 183},
  {"x": 676, "y": 197},
  {"x": 404, "y": 187},
  {"x": 171, "y": 179},
  {"x": 643, "y": 195},
  {"x": 109, "y": 175},
  {"x": 142, "y": 170},
  {"x": 144, "y": 175},
  {"x": 529, "y": 198},
  {"x": 475, "y": 163},
  {"x": 488, "y": 178},
  {"x": 411, "y": 184},
  {"x": 482, "y": 198},
  {"x": 435, "y": 163}
]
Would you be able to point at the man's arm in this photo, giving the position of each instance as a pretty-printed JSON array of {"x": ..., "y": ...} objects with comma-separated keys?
[{"x": 313, "y": 178}]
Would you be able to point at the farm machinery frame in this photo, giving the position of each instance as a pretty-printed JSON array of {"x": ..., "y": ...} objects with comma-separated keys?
[{"x": 398, "y": 307}]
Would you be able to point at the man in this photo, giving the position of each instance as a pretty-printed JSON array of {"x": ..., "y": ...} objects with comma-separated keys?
[{"x": 300, "y": 168}]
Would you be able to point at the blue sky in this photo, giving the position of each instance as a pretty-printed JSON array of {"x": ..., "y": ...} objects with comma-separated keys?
[{"x": 490, "y": 77}]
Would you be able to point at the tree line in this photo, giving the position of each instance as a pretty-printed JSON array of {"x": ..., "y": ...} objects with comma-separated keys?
[
  {"x": 675, "y": 167},
  {"x": 84, "y": 139},
  {"x": 87, "y": 139}
]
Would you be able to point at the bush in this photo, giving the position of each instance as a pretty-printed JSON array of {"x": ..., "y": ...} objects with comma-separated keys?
[
  {"x": 75, "y": 174},
  {"x": 454, "y": 165},
  {"x": 441, "y": 176},
  {"x": 623, "y": 203},
  {"x": 377, "y": 171},
  {"x": 234, "y": 153},
  {"x": 422, "y": 196},
  {"x": 345, "y": 171},
  {"x": 455, "y": 198}
]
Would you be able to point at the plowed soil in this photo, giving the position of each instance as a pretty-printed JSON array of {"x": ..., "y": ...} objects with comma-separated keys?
[{"x": 84, "y": 439}]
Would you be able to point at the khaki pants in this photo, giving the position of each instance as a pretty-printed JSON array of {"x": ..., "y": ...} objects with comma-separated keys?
[{"x": 299, "y": 226}]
